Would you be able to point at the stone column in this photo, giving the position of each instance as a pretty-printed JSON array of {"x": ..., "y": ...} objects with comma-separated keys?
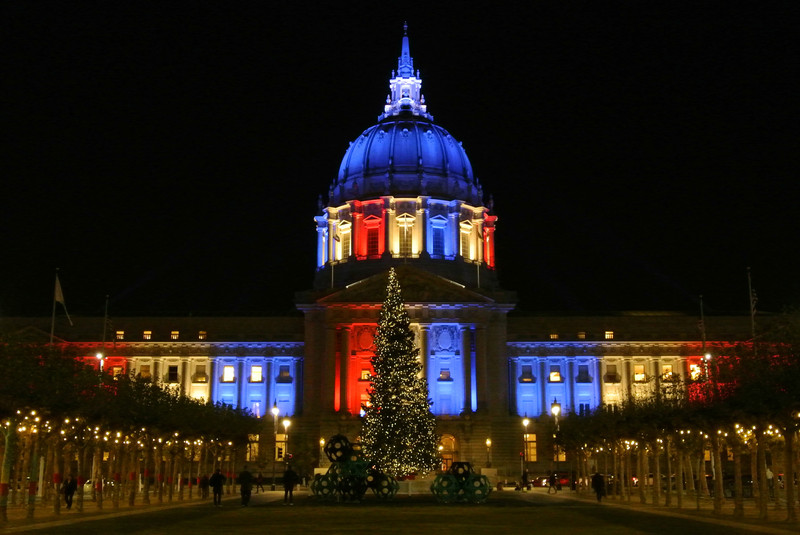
[
  {"x": 344, "y": 367},
  {"x": 424, "y": 350},
  {"x": 466, "y": 355}
]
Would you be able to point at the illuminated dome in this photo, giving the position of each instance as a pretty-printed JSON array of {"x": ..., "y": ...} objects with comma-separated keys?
[
  {"x": 405, "y": 153},
  {"x": 405, "y": 194}
]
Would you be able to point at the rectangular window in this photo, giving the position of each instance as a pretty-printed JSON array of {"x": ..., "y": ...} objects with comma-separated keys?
[
  {"x": 116, "y": 371},
  {"x": 438, "y": 241},
  {"x": 372, "y": 241},
  {"x": 365, "y": 375},
  {"x": 345, "y": 237},
  {"x": 283, "y": 374},
  {"x": 144, "y": 371},
  {"x": 584, "y": 409},
  {"x": 172, "y": 374},
  {"x": 465, "y": 244},
  {"x": 695, "y": 372},
  {"x": 560, "y": 454},
  {"x": 638, "y": 373},
  {"x": 228, "y": 374},
  {"x": 174, "y": 335},
  {"x": 280, "y": 446},
  {"x": 666, "y": 373},
  {"x": 527, "y": 374},
  {"x": 406, "y": 229},
  {"x": 609, "y": 335},
  {"x": 202, "y": 335},
  {"x": 583, "y": 374},
  {"x": 582, "y": 335},
  {"x": 120, "y": 335},
  {"x": 611, "y": 374},
  {"x": 555, "y": 374},
  {"x": 444, "y": 374},
  {"x": 553, "y": 336},
  {"x": 255, "y": 374},
  {"x": 255, "y": 407},
  {"x": 200, "y": 374},
  {"x": 147, "y": 335},
  {"x": 530, "y": 446}
]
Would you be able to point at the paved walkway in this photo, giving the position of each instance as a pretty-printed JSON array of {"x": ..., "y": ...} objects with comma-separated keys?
[
  {"x": 703, "y": 512},
  {"x": 44, "y": 518}
]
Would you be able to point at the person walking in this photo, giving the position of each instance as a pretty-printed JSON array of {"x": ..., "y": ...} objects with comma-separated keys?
[
  {"x": 552, "y": 483},
  {"x": 203, "y": 484},
  {"x": 216, "y": 481},
  {"x": 289, "y": 481},
  {"x": 599, "y": 485},
  {"x": 69, "y": 488},
  {"x": 259, "y": 482},
  {"x": 245, "y": 485}
]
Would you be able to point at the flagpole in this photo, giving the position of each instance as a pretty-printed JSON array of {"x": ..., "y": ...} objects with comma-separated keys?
[
  {"x": 752, "y": 297},
  {"x": 703, "y": 334},
  {"x": 53, "y": 318}
]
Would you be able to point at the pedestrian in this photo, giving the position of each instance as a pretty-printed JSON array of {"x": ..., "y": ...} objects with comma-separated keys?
[
  {"x": 599, "y": 485},
  {"x": 525, "y": 483},
  {"x": 69, "y": 488},
  {"x": 245, "y": 485},
  {"x": 259, "y": 482},
  {"x": 289, "y": 481},
  {"x": 203, "y": 484},
  {"x": 216, "y": 481},
  {"x": 552, "y": 483}
]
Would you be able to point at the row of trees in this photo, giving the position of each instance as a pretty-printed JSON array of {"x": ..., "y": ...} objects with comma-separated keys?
[
  {"x": 747, "y": 406},
  {"x": 59, "y": 413}
]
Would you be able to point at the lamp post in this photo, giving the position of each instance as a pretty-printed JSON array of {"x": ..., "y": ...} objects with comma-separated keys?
[
  {"x": 275, "y": 411},
  {"x": 100, "y": 358},
  {"x": 524, "y": 457},
  {"x": 488, "y": 453},
  {"x": 286, "y": 424},
  {"x": 321, "y": 451},
  {"x": 555, "y": 410}
]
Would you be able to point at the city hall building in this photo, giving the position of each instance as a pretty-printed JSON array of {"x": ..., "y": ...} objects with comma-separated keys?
[{"x": 406, "y": 197}]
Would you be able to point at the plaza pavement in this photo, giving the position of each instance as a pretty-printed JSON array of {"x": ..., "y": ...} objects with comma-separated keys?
[{"x": 45, "y": 521}]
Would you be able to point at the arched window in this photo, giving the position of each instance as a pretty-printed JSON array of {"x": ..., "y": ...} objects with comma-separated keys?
[
  {"x": 447, "y": 451},
  {"x": 405, "y": 228},
  {"x": 343, "y": 240}
]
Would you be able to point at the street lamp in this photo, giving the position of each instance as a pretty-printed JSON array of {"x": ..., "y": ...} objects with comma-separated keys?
[
  {"x": 275, "y": 411},
  {"x": 286, "y": 424},
  {"x": 524, "y": 458},
  {"x": 321, "y": 451},
  {"x": 488, "y": 453},
  {"x": 555, "y": 410},
  {"x": 100, "y": 358}
]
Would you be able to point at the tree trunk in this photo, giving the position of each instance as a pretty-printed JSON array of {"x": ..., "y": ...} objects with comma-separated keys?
[
  {"x": 738, "y": 489},
  {"x": 133, "y": 472},
  {"x": 58, "y": 472},
  {"x": 718, "y": 474},
  {"x": 642, "y": 475},
  {"x": 159, "y": 465},
  {"x": 788, "y": 475},
  {"x": 148, "y": 456},
  {"x": 9, "y": 458},
  {"x": 679, "y": 478},
  {"x": 668, "y": 455},
  {"x": 97, "y": 475},
  {"x": 33, "y": 474},
  {"x": 763, "y": 495}
]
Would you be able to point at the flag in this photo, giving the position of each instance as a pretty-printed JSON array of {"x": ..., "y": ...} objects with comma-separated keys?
[
  {"x": 59, "y": 292},
  {"x": 59, "y": 298}
]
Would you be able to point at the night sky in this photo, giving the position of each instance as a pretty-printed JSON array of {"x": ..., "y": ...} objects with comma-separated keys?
[{"x": 170, "y": 154}]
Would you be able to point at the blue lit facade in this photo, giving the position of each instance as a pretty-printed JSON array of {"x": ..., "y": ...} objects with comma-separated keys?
[{"x": 405, "y": 196}]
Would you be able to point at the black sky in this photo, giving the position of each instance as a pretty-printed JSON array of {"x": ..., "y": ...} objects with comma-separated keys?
[{"x": 170, "y": 154}]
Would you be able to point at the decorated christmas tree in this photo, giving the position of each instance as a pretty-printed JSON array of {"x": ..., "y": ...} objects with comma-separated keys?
[{"x": 398, "y": 430}]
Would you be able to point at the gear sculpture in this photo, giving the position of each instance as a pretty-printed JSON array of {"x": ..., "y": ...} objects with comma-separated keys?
[
  {"x": 350, "y": 474},
  {"x": 461, "y": 484}
]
